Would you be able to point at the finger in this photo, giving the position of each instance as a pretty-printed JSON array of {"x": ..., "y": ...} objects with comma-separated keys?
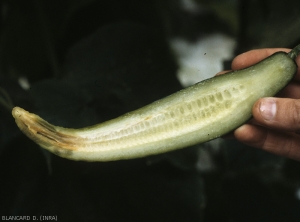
[
  {"x": 223, "y": 72},
  {"x": 278, "y": 113},
  {"x": 254, "y": 56},
  {"x": 279, "y": 143}
]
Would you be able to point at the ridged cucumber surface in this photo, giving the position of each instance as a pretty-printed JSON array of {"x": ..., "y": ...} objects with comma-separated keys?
[{"x": 202, "y": 112}]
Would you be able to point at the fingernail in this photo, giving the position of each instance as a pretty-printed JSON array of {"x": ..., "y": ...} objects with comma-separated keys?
[{"x": 268, "y": 108}]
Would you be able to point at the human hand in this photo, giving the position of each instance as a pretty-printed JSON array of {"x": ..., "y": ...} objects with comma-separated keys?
[{"x": 276, "y": 123}]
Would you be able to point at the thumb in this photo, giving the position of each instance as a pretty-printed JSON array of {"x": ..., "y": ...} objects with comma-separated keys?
[{"x": 278, "y": 113}]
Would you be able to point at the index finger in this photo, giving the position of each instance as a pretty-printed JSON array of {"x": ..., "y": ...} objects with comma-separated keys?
[{"x": 252, "y": 57}]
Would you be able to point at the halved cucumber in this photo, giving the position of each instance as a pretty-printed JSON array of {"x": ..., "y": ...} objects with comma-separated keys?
[{"x": 202, "y": 112}]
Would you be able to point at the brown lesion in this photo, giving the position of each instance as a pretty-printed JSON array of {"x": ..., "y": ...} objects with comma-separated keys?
[
  {"x": 148, "y": 118},
  {"x": 42, "y": 132}
]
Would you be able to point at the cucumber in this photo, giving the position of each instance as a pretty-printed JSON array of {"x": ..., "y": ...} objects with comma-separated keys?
[{"x": 197, "y": 114}]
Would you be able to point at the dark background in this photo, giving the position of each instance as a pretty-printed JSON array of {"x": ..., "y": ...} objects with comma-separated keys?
[{"x": 88, "y": 61}]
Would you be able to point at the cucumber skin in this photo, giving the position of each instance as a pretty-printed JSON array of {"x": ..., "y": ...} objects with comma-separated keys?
[{"x": 245, "y": 86}]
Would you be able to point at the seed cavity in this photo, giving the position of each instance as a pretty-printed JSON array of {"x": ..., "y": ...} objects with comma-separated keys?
[
  {"x": 122, "y": 133},
  {"x": 211, "y": 98},
  {"x": 195, "y": 116},
  {"x": 205, "y": 102},
  {"x": 219, "y": 106},
  {"x": 130, "y": 130},
  {"x": 207, "y": 113},
  {"x": 181, "y": 110},
  {"x": 199, "y": 103},
  {"x": 136, "y": 128},
  {"x": 170, "y": 126},
  {"x": 227, "y": 104},
  {"x": 142, "y": 126},
  {"x": 147, "y": 124},
  {"x": 189, "y": 106},
  {"x": 172, "y": 114},
  {"x": 242, "y": 88},
  {"x": 227, "y": 94},
  {"x": 219, "y": 96},
  {"x": 156, "y": 120}
]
